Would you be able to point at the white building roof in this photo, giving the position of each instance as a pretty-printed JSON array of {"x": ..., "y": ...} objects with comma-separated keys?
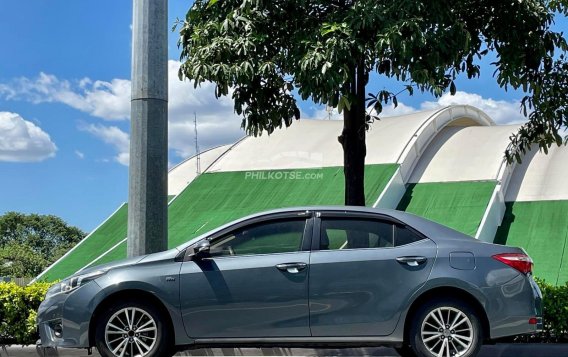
[
  {"x": 541, "y": 177},
  {"x": 471, "y": 153}
]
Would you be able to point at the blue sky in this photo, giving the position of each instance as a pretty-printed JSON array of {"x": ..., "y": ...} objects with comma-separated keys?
[{"x": 64, "y": 106}]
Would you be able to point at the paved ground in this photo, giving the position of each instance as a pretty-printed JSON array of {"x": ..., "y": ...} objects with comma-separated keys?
[{"x": 499, "y": 350}]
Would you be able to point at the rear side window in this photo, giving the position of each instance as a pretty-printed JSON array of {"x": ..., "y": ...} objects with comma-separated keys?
[
  {"x": 404, "y": 235},
  {"x": 340, "y": 233},
  {"x": 355, "y": 233}
]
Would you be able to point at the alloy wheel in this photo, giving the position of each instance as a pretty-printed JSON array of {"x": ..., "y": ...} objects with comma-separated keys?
[
  {"x": 130, "y": 332},
  {"x": 447, "y": 332}
]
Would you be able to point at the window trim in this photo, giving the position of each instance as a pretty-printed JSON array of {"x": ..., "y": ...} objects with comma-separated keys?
[
  {"x": 307, "y": 237},
  {"x": 316, "y": 236}
]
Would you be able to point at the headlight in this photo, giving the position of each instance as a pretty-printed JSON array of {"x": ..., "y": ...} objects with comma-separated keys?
[{"x": 74, "y": 282}]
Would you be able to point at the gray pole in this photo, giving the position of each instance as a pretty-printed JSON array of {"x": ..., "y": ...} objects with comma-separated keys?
[{"x": 148, "y": 180}]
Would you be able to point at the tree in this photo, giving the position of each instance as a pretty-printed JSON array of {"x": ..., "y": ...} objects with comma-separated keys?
[
  {"x": 263, "y": 51},
  {"x": 30, "y": 242},
  {"x": 18, "y": 260}
]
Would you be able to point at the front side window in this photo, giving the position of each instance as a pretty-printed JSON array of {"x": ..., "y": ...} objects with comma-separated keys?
[{"x": 280, "y": 236}]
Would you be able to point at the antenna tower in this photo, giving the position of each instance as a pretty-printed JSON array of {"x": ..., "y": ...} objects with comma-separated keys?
[
  {"x": 329, "y": 110},
  {"x": 197, "y": 154}
]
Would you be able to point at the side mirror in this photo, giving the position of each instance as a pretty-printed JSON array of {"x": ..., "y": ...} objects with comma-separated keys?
[{"x": 201, "y": 249}]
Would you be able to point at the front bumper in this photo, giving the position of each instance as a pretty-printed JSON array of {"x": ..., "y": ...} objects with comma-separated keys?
[{"x": 63, "y": 319}]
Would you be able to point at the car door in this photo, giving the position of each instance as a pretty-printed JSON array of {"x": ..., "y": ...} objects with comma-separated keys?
[
  {"x": 254, "y": 283},
  {"x": 363, "y": 270}
]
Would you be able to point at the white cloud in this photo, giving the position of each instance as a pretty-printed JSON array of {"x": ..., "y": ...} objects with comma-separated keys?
[
  {"x": 22, "y": 140},
  {"x": 123, "y": 158},
  {"x": 501, "y": 111},
  {"x": 402, "y": 109},
  {"x": 322, "y": 114},
  {"x": 79, "y": 154},
  {"x": 106, "y": 100},
  {"x": 217, "y": 122},
  {"x": 113, "y": 136}
]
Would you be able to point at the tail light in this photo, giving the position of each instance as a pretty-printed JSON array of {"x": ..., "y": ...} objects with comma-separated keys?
[{"x": 519, "y": 261}]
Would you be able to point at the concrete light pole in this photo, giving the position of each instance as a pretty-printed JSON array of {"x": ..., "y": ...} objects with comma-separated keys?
[{"x": 148, "y": 181}]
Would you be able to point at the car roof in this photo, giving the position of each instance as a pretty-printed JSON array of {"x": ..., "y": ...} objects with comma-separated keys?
[{"x": 428, "y": 228}]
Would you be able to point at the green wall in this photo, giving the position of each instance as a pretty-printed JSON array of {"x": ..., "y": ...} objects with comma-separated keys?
[
  {"x": 541, "y": 228},
  {"x": 459, "y": 205}
]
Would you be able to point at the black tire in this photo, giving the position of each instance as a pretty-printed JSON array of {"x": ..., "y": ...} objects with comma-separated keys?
[
  {"x": 154, "y": 335},
  {"x": 463, "y": 339}
]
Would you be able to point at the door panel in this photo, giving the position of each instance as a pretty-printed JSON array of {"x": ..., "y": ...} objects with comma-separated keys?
[
  {"x": 253, "y": 282},
  {"x": 361, "y": 292},
  {"x": 245, "y": 296}
]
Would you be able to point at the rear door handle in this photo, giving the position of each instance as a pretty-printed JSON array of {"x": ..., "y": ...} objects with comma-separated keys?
[
  {"x": 293, "y": 268},
  {"x": 412, "y": 261}
]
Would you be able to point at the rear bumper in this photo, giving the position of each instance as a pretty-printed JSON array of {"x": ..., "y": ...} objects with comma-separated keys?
[
  {"x": 516, "y": 325},
  {"x": 521, "y": 295}
]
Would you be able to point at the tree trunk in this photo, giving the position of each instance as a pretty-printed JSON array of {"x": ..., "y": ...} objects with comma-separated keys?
[{"x": 353, "y": 140}]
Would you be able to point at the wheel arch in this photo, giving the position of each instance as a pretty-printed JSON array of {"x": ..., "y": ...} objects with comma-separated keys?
[
  {"x": 125, "y": 295},
  {"x": 453, "y": 293}
]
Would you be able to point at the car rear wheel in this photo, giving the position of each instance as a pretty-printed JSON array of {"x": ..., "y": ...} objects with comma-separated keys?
[
  {"x": 132, "y": 329},
  {"x": 446, "y": 328}
]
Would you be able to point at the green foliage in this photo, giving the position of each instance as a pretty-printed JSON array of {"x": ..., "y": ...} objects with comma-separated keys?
[
  {"x": 29, "y": 243},
  {"x": 546, "y": 108},
  {"x": 555, "y": 312},
  {"x": 18, "y": 311},
  {"x": 20, "y": 261}
]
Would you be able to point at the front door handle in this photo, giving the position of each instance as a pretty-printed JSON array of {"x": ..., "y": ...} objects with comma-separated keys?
[
  {"x": 293, "y": 268},
  {"x": 412, "y": 261}
]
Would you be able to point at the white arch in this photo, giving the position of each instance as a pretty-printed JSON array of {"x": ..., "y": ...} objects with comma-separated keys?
[
  {"x": 430, "y": 127},
  {"x": 540, "y": 177},
  {"x": 457, "y": 115},
  {"x": 495, "y": 210},
  {"x": 439, "y": 125}
]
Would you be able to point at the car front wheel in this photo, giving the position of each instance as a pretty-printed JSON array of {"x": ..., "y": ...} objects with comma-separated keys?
[
  {"x": 132, "y": 329},
  {"x": 446, "y": 328}
]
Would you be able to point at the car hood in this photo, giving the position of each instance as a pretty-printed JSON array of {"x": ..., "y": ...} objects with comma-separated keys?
[{"x": 168, "y": 254}]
